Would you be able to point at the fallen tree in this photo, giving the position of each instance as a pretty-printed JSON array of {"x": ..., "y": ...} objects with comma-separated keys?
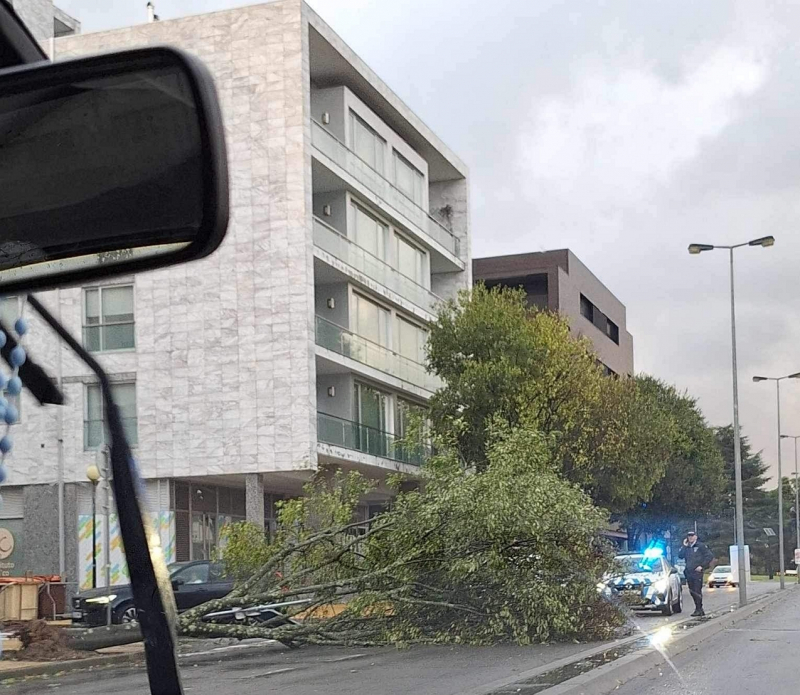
[{"x": 512, "y": 553}]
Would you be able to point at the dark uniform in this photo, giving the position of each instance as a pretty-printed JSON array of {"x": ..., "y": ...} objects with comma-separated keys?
[{"x": 696, "y": 555}]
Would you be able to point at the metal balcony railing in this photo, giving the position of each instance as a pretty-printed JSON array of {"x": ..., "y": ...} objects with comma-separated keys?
[
  {"x": 348, "y": 344},
  {"x": 368, "y": 440},
  {"x": 333, "y": 148},
  {"x": 339, "y": 246}
]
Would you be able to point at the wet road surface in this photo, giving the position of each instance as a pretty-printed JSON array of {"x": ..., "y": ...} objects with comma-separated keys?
[{"x": 441, "y": 670}]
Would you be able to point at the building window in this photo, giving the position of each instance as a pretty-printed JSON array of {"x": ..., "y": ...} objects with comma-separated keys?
[
  {"x": 590, "y": 312},
  {"x": 410, "y": 260},
  {"x": 370, "y": 320},
  {"x": 405, "y": 413},
  {"x": 411, "y": 340},
  {"x": 94, "y": 433},
  {"x": 108, "y": 318},
  {"x": 369, "y": 232},
  {"x": 9, "y": 311},
  {"x": 371, "y": 409},
  {"x": 587, "y": 309},
  {"x": 367, "y": 144},
  {"x": 607, "y": 371},
  {"x": 201, "y": 512},
  {"x": 408, "y": 178},
  {"x": 612, "y": 330}
]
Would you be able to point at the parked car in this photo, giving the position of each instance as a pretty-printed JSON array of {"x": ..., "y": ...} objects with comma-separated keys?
[
  {"x": 722, "y": 575},
  {"x": 645, "y": 581},
  {"x": 193, "y": 583}
]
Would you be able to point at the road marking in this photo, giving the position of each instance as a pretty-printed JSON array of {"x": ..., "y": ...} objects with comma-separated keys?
[
  {"x": 266, "y": 674},
  {"x": 342, "y": 658},
  {"x": 763, "y": 629}
]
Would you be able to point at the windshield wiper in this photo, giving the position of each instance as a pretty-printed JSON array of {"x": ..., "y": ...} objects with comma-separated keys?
[{"x": 152, "y": 591}]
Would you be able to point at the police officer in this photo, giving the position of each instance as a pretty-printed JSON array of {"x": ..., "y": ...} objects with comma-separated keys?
[{"x": 698, "y": 558}]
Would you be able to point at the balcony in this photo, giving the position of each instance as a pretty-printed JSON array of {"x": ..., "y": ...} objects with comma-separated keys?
[
  {"x": 340, "y": 247},
  {"x": 356, "y": 437},
  {"x": 338, "y": 152},
  {"x": 343, "y": 342}
]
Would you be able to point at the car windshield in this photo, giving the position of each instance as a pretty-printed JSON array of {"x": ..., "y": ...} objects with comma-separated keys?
[
  {"x": 637, "y": 564},
  {"x": 723, "y": 569}
]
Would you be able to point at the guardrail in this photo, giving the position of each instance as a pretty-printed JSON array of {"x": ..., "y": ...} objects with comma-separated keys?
[
  {"x": 333, "y": 148},
  {"x": 368, "y": 440},
  {"x": 348, "y": 344},
  {"x": 339, "y": 246}
]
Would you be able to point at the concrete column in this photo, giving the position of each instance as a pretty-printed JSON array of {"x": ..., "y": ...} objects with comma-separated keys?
[
  {"x": 254, "y": 498},
  {"x": 40, "y": 533},
  {"x": 71, "y": 537}
]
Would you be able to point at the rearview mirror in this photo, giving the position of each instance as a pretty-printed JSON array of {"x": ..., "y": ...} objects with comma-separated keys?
[{"x": 108, "y": 165}]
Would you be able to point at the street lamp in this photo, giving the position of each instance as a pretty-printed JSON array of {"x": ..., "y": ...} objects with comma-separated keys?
[
  {"x": 695, "y": 249},
  {"x": 93, "y": 475},
  {"x": 778, "y": 381},
  {"x": 796, "y": 503}
]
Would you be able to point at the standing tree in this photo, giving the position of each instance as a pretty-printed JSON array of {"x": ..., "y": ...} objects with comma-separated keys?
[
  {"x": 504, "y": 362},
  {"x": 694, "y": 485},
  {"x": 718, "y": 531}
]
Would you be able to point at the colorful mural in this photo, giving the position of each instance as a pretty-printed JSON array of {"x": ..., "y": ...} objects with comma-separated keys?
[{"x": 163, "y": 522}]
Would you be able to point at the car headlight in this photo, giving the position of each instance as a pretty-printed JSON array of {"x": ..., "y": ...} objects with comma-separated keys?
[
  {"x": 102, "y": 599},
  {"x": 603, "y": 589},
  {"x": 661, "y": 585}
]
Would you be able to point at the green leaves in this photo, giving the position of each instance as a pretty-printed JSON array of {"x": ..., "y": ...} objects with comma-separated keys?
[
  {"x": 692, "y": 481},
  {"x": 504, "y": 363},
  {"x": 244, "y": 549}
]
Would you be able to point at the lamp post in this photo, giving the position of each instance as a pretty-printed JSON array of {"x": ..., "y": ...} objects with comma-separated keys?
[
  {"x": 778, "y": 380},
  {"x": 93, "y": 475},
  {"x": 796, "y": 502},
  {"x": 695, "y": 249}
]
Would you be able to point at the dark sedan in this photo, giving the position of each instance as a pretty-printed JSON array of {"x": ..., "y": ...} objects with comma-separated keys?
[{"x": 193, "y": 583}]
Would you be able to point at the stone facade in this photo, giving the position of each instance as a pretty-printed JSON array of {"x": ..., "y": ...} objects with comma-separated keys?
[
  {"x": 44, "y": 20},
  {"x": 229, "y": 377}
]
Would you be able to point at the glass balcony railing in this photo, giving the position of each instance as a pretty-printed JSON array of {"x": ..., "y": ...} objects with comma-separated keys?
[
  {"x": 333, "y": 148},
  {"x": 329, "y": 239},
  {"x": 348, "y": 344},
  {"x": 368, "y": 440}
]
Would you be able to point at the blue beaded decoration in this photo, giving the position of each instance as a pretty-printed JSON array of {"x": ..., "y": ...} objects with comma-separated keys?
[{"x": 11, "y": 390}]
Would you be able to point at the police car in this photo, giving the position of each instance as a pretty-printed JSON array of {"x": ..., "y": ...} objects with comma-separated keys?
[{"x": 645, "y": 581}]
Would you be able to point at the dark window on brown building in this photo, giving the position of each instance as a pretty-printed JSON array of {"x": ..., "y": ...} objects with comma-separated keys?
[
  {"x": 587, "y": 309},
  {"x": 613, "y": 331}
]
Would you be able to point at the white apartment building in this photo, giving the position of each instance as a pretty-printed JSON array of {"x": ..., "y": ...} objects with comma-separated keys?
[{"x": 298, "y": 344}]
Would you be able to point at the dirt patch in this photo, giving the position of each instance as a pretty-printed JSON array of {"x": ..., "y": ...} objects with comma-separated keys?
[{"x": 43, "y": 642}]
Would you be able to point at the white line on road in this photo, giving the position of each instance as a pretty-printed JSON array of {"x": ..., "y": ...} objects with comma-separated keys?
[{"x": 266, "y": 674}]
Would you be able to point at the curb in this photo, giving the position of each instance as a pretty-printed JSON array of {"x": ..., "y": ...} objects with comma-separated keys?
[
  {"x": 506, "y": 684},
  {"x": 58, "y": 668},
  {"x": 609, "y": 677}
]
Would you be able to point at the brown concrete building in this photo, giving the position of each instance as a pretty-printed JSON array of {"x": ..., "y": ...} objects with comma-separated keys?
[{"x": 558, "y": 281}]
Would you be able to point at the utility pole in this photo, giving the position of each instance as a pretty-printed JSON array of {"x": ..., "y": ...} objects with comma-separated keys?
[{"x": 105, "y": 468}]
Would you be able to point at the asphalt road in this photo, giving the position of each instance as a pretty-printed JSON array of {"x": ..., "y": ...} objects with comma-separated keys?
[
  {"x": 714, "y": 600},
  {"x": 754, "y": 657},
  {"x": 424, "y": 670}
]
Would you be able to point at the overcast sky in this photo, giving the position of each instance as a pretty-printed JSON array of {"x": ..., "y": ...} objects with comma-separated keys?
[{"x": 623, "y": 131}]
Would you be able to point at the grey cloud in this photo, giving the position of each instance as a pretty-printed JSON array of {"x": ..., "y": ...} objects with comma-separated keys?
[{"x": 481, "y": 73}]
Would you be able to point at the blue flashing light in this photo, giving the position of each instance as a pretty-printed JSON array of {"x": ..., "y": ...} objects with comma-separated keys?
[{"x": 651, "y": 553}]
